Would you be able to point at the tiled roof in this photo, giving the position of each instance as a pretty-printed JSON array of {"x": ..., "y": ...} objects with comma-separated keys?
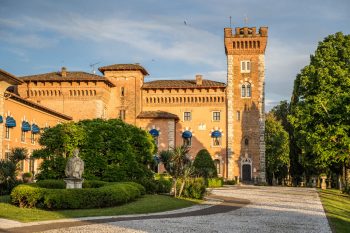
[
  {"x": 118, "y": 67},
  {"x": 5, "y": 76},
  {"x": 157, "y": 115},
  {"x": 70, "y": 76},
  {"x": 182, "y": 84},
  {"x": 38, "y": 106}
]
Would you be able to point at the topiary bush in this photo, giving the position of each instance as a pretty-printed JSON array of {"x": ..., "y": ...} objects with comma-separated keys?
[
  {"x": 215, "y": 182},
  {"x": 204, "y": 165},
  {"x": 31, "y": 195}
]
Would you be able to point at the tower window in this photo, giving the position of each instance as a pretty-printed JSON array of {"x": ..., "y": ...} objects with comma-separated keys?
[
  {"x": 245, "y": 66},
  {"x": 122, "y": 91},
  {"x": 246, "y": 90}
]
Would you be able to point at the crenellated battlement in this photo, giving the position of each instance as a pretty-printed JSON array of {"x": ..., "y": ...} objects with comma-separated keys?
[{"x": 245, "y": 40}]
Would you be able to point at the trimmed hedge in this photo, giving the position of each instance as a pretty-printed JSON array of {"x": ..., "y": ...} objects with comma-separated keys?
[
  {"x": 51, "y": 184},
  {"x": 31, "y": 195},
  {"x": 215, "y": 182}
]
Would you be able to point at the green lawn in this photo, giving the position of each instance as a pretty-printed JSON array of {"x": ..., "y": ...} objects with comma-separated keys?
[
  {"x": 146, "y": 204},
  {"x": 337, "y": 207}
]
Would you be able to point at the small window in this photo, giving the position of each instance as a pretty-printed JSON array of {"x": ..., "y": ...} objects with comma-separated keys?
[
  {"x": 122, "y": 91},
  {"x": 23, "y": 136},
  {"x": 249, "y": 91},
  {"x": 246, "y": 142},
  {"x": 7, "y": 133},
  {"x": 245, "y": 66},
  {"x": 217, "y": 165},
  {"x": 246, "y": 90},
  {"x": 187, "y": 141},
  {"x": 216, "y": 116},
  {"x": 187, "y": 116},
  {"x": 238, "y": 115},
  {"x": 216, "y": 141},
  {"x": 32, "y": 138},
  {"x": 7, "y": 155},
  {"x": 243, "y": 92},
  {"x": 122, "y": 115},
  {"x": 31, "y": 165}
]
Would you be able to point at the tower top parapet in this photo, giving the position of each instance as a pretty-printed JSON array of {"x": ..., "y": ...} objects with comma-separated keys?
[{"x": 245, "y": 40}]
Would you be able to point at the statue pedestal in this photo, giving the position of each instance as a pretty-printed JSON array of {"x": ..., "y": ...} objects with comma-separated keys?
[
  {"x": 323, "y": 183},
  {"x": 74, "y": 183}
]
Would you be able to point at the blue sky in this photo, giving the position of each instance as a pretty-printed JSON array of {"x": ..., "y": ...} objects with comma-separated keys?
[{"x": 39, "y": 36}]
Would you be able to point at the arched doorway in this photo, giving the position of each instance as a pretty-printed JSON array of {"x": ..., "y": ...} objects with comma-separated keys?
[{"x": 246, "y": 169}]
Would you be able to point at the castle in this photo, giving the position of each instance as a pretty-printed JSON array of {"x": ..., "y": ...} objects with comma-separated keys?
[{"x": 226, "y": 119}]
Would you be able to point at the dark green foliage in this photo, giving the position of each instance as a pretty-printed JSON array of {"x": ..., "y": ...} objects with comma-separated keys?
[
  {"x": 277, "y": 149},
  {"x": 204, "y": 165},
  {"x": 215, "y": 182},
  {"x": 194, "y": 188},
  {"x": 8, "y": 170},
  {"x": 320, "y": 106},
  {"x": 107, "y": 195},
  {"x": 111, "y": 149},
  {"x": 94, "y": 183},
  {"x": 163, "y": 185},
  {"x": 18, "y": 154},
  {"x": 51, "y": 184},
  {"x": 7, "y": 176}
]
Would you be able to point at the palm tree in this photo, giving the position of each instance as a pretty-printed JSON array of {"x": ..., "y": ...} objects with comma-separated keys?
[{"x": 178, "y": 165}]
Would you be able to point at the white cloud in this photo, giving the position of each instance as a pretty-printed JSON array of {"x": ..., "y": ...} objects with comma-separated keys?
[{"x": 166, "y": 41}]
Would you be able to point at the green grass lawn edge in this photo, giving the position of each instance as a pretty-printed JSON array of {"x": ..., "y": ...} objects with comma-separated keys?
[
  {"x": 143, "y": 205},
  {"x": 337, "y": 208}
]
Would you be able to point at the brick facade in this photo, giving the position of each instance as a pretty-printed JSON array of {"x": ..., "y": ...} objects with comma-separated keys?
[{"x": 214, "y": 115}]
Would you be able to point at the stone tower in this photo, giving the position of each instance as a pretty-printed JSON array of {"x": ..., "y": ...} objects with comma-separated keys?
[{"x": 245, "y": 51}]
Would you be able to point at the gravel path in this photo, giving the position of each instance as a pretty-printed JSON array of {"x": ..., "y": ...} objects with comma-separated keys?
[{"x": 269, "y": 209}]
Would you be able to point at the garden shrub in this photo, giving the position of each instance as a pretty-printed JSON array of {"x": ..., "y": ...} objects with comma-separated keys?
[
  {"x": 215, "y": 182},
  {"x": 204, "y": 165},
  {"x": 94, "y": 183},
  {"x": 230, "y": 182},
  {"x": 31, "y": 195},
  {"x": 149, "y": 184},
  {"x": 194, "y": 188},
  {"x": 51, "y": 184},
  {"x": 163, "y": 185}
]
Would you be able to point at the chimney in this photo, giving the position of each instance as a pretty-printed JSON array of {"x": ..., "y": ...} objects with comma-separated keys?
[
  {"x": 199, "y": 80},
  {"x": 64, "y": 72}
]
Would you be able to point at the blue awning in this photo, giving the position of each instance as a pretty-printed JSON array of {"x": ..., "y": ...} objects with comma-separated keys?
[
  {"x": 10, "y": 122},
  {"x": 35, "y": 129},
  {"x": 187, "y": 134},
  {"x": 216, "y": 134},
  {"x": 25, "y": 126},
  {"x": 154, "y": 132},
  {"x": 1, "y": 119}
]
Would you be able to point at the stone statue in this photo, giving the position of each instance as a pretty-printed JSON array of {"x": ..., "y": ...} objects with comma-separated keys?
[{"x": 75, "y": 166}]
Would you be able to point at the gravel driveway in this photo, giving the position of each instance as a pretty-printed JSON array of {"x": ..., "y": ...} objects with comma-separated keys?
[{"x": 245, "y": 209}]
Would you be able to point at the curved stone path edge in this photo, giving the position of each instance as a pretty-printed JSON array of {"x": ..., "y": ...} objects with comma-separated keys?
[{"x": 228, "y": 204}]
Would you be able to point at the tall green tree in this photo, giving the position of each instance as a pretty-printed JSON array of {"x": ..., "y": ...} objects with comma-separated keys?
[
  {"x": 320, "y": 104},
  {"x": 111, "y": 149},
  {"x": 277, "y": 149}
]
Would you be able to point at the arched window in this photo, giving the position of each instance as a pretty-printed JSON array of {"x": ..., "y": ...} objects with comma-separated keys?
[
  {"x": 249, "y": 90},
  {"x": 246, "y": 142},
  {"x": 155, "y": 135}
]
